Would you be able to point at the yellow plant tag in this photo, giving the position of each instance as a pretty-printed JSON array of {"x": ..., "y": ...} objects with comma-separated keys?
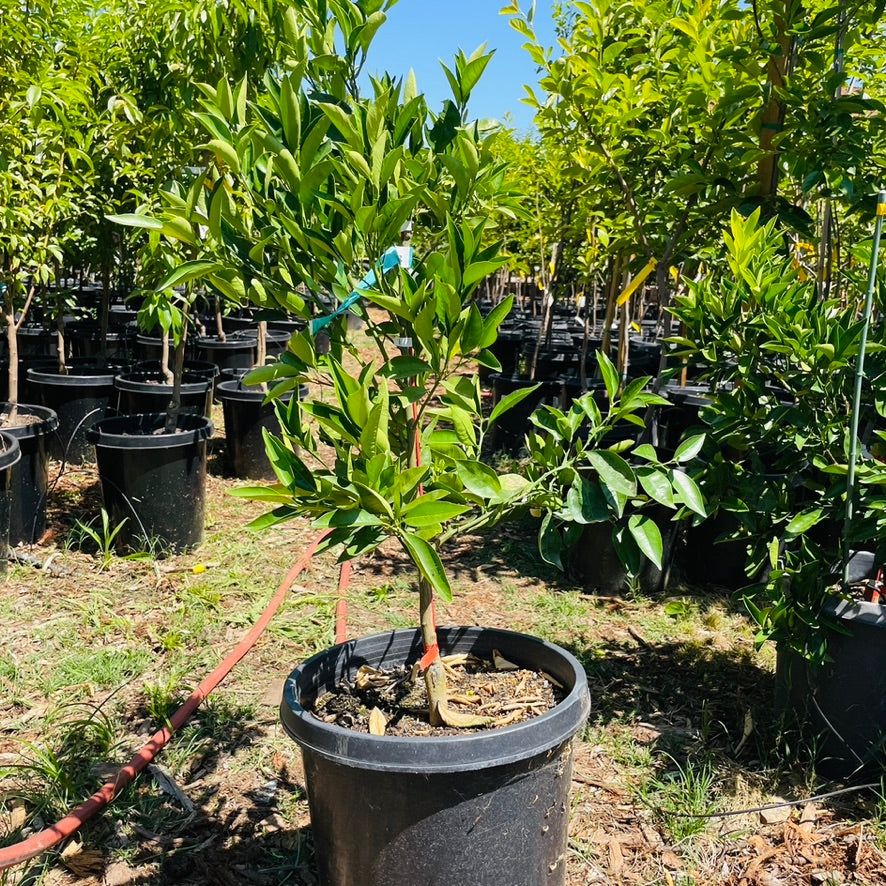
[{"x": 637, "y": 282}]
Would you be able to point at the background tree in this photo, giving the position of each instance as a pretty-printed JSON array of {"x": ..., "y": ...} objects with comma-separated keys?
[
  {"x": 654, "y": 99},
  {"x": 46, "y": 141}
]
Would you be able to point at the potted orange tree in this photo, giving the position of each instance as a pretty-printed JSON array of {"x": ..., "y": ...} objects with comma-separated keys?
[
  {"x": 313, "y": 185},
  {"x": 791, "y": 396}
]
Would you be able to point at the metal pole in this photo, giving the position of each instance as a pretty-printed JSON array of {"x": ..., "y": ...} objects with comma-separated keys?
[{"x": 859, "y": 377}]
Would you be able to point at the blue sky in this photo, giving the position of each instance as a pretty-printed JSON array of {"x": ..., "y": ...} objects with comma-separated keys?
[{"x": 419, "y": 32}]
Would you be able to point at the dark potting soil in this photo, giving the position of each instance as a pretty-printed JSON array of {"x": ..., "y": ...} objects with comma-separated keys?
[{"x": 396, "y": 700}]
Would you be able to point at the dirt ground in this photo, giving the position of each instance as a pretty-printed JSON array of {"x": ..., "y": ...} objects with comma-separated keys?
[{"x": 226, "y": 802}]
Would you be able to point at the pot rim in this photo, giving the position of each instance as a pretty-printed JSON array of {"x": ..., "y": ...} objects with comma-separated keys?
[
  {"x": 48, "y": 421},
  {"x": 78, "y": 376},
  {"x": 450, "y": 753},
  {"x": 11, "y": 453},
  {"x": 108, "y": 432},
  {"x": 873, "y": 614}
]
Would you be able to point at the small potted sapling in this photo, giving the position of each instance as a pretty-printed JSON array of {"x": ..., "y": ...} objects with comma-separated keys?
[
  {"x": 315, "y": 191},
  {"x": 152, "y": 462},
  {"x": 392, "y": 454}
]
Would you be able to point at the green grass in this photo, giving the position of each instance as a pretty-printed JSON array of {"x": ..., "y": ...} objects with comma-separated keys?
[
  {"x": 59, "y": 771},
  {"x": 680, "y": 797},
  {"x": 90, "y": 670}
]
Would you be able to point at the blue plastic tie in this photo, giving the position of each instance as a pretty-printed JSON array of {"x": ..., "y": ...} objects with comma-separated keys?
[{"x": 389, "y": 260}]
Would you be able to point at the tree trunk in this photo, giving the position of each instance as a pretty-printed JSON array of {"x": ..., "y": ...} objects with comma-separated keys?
[
  {"x": 104, "y": 317},
  {"x": 219, "y": 325},
  {"x": 611, "y": 299},
  {"x": 772, "y": 122},
  {"x": 663, "y": 287},
  {"x": 168, "y": 374},
  {"x": 60, "y": 332},
  {"x": 624, "y": 338},
  {"x": 544, "y": 330},
  {"x": 12, "y": 348},
  {"x": 586, "y": 331},
  {"x": 174, "y": 407}
]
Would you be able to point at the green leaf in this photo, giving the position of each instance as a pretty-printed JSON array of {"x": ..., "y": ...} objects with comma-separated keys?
[
  {"x": 302, "y": 347},
  {"x": 656, "y": 485},
  {"x": 610, "y": 375},
  {"x": 372, "y": 500},
  {"x": 493, "y": 320},
  {"x": 614, "y": 472},
  {"x": 647, "y": 536},
  {"x": 804, "y": 521},
  {"x": 352, "y": 517},
  {"x": 406, "y": 366},
  {"x": 428, "y": 563},
  {"x": 179, "y": 229},
  {"x": 190, "y": 270},
  {"x": 645, "y": 451},
  {"x": 272, "y": 371},
  {"x": 463, "y": 422},
  {"x": 688, "y": 449},
  {"x": 428, "y": 513},
  {"x": 688, "y": 493},
  {"x": 480, "y": 270},
  {"x": 774, "y": 550},
  {"x": 585, "y": 502},
  {"x": 273, "y": 518},
  {"x": 289, "y": 468},
  {"x": 275, "y": 493},
  {"x": 290, "y": 116},
  {"x": 343, "y": 121},
  {"x": 550, "y": 542},
  {"x": 478, "y": 479},
  {"x": 225, "y": 151},
  {"x": 133, "y": 220},
  {"x": 374, "y": 436},
  {"x": 509, "y": 401}
]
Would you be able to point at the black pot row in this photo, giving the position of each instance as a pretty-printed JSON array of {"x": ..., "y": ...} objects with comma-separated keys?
[
  {"x": 153, "y": 483},
  {"x": 84, "y": 340}
]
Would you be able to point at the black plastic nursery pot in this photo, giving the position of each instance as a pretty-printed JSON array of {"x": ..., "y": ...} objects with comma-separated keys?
[
  {"x": 246, "y": 416},
  {"x": 840, "y": 707},
  {"x": 277, "y": 342},
  {"x": 237, "y": 351},
  {"x": 10, "y": 455},
  {"x": 595, "y": 563},
  {"x": 706, "y": 557},
  {"x": 193, "y": 368},
  {"x": 150, "y": 347},
  {"x": 144, "y": 392},
  {"x": 490, "y": 807},
  {"x": 509, "y": 431},
  {"x": 552, "y": 360},
  {"x": 36, "y": 341},
  {"x": 29, "y": 481},
  {"x": 80, "y": 399},
  {"x": 506, "y": 349},
  {"x": 153, "y": 481},
  {"x": 86, "y": 341},
  {"x": 684, "y": 413}
]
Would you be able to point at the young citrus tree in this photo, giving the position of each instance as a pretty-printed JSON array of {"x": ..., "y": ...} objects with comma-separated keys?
[{"x": 309, "y": 189}]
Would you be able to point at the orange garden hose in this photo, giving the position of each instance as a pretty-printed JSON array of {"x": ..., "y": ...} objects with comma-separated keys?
[{"x": 46, "y": 839}]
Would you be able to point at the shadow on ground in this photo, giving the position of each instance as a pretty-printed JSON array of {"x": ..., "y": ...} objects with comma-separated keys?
[{"x": 689, "y": 692}]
